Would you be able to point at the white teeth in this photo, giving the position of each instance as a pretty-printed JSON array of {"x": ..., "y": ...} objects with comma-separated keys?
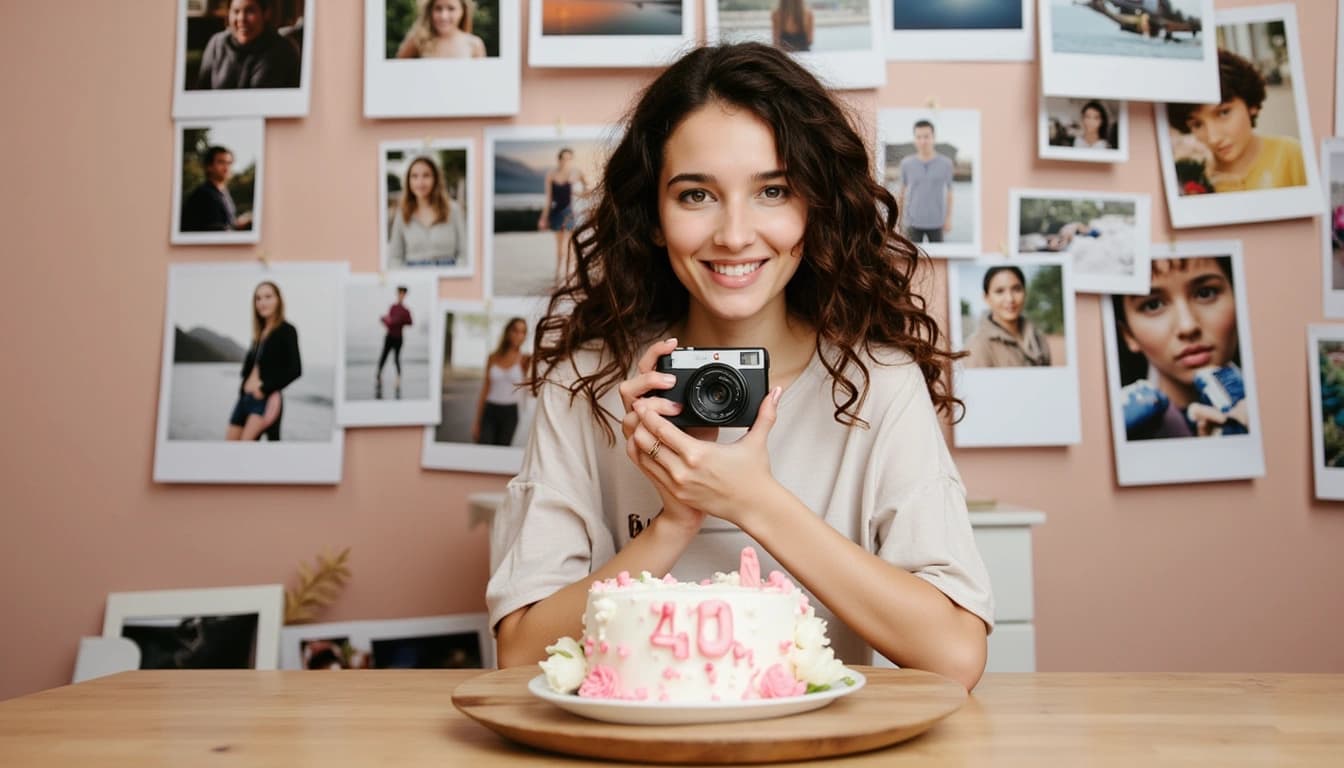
[{"x": 736, "y": 270}]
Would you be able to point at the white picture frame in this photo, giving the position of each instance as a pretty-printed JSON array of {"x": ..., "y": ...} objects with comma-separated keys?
[
  {"x": 1332, "y": 247},
  {"x": 606, "y": 49},
  {"x": 244, "y": 102},
  {"x": 393, "y": 159},
  {"x": 478, "y": 87},
  {"x": 363, "y": 638},
  {"x": 990, "y": 43},
  {"x": 245, "y": 138},
  {"x": 1015, "y": 406},
  {"x": 415, "y": 401},
  {"x": 267, "y": 601},
  {"x": 1328, "y": 476},
  {"x": 1155, "y": 460},
  {"x": 1237, "y": 207},
  {"x": 957, "y": 130},
  {"x": 194, "y": 404},
  {"x": 1054, "y": 108},
  {"x": 856, "y": 61},
  {"x": 1339, "y": 69},
  {"x": 1151, "y": 74},
  {"x": 1110, "y": 253}
]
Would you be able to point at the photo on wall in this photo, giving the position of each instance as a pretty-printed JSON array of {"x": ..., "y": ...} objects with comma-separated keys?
[
  {"x": 979, "y": 30},
  {"x": 1106, "y": 235},
  {"x": 601, "y": 33},
  {"x": 243, "y": 58},
  {"x": 1249, "y": 155},
  {"x": 441, "y": 58},
  {"x": 539, "y": 185},
  {"x": 930, "y": 161},
  {"x": 1325, "y": 363},
  {"x": 486, "y": 413},
  {"x": 1083, "y": 130},
  {"x": 1139, "y": 50},
  {"x": 1019, "y": 379},
  {"x": 1332, "y": 226},
  {"x": 1180, "y": 372},
  {"x": 391, "y": 358},
  {"x": 248, "y": 379},
  {"x": 840, "y": 41},
  {"x": 424, "y": 207},
  {"x": 434, "y": 642},
  {"x": 213, "y": 628},
  {"x": 217, "y": 181}
]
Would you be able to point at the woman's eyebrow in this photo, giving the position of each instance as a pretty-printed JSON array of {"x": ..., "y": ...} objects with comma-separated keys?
[{"x": 706, "y": 178}]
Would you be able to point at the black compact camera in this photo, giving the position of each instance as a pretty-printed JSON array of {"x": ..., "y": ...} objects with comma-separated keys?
[{"x": 720, "y": 387}]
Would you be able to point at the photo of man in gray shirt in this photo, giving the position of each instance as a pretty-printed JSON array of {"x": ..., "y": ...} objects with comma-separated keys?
[{"x": 925, "y": 197}]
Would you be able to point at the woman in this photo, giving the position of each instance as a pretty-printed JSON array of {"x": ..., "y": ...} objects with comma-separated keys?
[
  {"x": 739, "y": 209},
  {"x": 502, "y": 387},
  {"x": 272, "y": 363},
  {"x": 557, "y": 210},
  {"x": 1181, "y": 332},
  {"x": 1005, "y": 337},
  {"x": 1096, "y": 126},
  {"x": 249, "y": 53},
  {"x": 791, "y": 26},
  {"x": 442, "y": 30},
  {"x": 427, "y": 228}
]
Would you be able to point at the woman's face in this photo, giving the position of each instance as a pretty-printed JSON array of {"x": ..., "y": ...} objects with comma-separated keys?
[
  {"x": 1187, "y": 321},
  {"x": 732, "y": 224},
  {"x": 1005, "y": 297},
  {"x": 517, "y": 334},
  {"x": 1224, "y": 128},
  {"x": 1091, "y": 121},
  {"x": 446, "y": 16},
  {"x": 420, "y": 180},
  {"x": 265, "y": 301},
  {"x": 246, "y": 20}
]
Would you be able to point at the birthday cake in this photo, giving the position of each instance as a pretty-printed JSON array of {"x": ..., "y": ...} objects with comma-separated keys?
[{"x": 733, "y": 637}]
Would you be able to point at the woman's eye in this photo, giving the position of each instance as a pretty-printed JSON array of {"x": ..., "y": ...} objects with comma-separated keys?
[
  {"x": 1208, "y": 292},
  {"x": 1151, "y": 304},
  {"x": 693, "y": 196},
  {"x": 775, "y": 193}
]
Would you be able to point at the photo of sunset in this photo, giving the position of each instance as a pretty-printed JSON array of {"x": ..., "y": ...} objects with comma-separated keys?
[{"x": 611, "y": 17}]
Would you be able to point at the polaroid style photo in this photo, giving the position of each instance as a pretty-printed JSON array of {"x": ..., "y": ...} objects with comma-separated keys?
[
  {"x": 215, "y": 628},
  {"x": 486, "y": 412},
  {"x": 391, "y": 351},
  {"x": 841, "y": 43},
  {"x": 247, "y": 387},
  {"x": 929, "y": 159},
  {"x": 434, "y": 642},
  {"x": 1083, "y": 130},
  {"x": 1180, "y": 372},
  {"x": 1249, "y": 155},
  {"x": 1015, "y": 319},
  {"x": 538, "y": 187},
  {"x": 425, "y": 211},
  {"x": 600, "y": 33},
  {"x": 243, "y": 58},
  {"x": 1140, "y": 50},
  {"x": 1105, "y": 235},
  {"x": 926, "y": 30},
  {"x": 442, "y": 58},
  {"x": 1332, "y": 226},
  {"x": 217, "y": 181},
  {"x": 1325, "y": 364}
]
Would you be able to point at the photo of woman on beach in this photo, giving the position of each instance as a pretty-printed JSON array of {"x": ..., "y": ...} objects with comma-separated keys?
[
  {"x": 792, "y": 25},
  {"x": 557, "y": 211},
  {"x": 502, "y": 393},
  {"x": 272, "y": 363}
]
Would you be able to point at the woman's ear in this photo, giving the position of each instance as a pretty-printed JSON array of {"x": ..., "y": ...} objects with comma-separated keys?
[
  {"x": 658, "y": 238},
  {"x": 1130, "y": 342}
]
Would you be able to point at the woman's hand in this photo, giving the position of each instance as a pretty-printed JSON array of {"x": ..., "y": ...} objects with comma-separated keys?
[
  {"x": 541, "y": 222},
  {"x": 476, "y": 431}
]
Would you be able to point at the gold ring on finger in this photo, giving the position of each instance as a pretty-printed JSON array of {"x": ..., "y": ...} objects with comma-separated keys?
[{"x": 653, "y": 452}]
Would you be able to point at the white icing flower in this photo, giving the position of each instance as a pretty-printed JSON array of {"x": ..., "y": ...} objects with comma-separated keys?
[
  {"x": 813, "y": 661},
  {"x": 731, "y": 579},
  {"x": 810, "y": 632},
  {"x": 566, "y": 667},
  {"x": 603, "y": 609}
]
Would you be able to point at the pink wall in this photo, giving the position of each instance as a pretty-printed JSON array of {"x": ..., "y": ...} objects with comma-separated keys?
[{"x": 1226, "y": 576}]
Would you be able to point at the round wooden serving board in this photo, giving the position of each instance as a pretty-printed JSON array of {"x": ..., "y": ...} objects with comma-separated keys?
[{"x": 895, "y": 705}]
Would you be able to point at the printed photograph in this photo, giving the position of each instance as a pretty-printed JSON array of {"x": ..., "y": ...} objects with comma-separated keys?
[
  {"x": 975, "y": 14},
  {"x": 212, "y": 628},
  {"x": 1084, "y": 129},
  {"x": 839, "y": 39},
  {"x": 390, "y": 369},
  {"x": 441, "y": 29},
  {"x": 243, "y": 58},
  {"x": 217, "y": 188},
  {"x": 929, "y": 163},
  {"x": 1325, "y": 364},
  {"x": 1332, "y": 226},
  {"x": 611, "y": 17},
  {"x": 1012, "y": 316},
  {"x": 195, "y": 642},
  {"x": 1107, "y": 237},
  {"x": 967, "y": 30},
  {"x": 425, "y": 208},
  {"x": 1168, "y": 29},
  {"x": 609, "y": 33},
  {"x": 538, "y": 188},
  {"x": 434, "y": 642},
  {"x": 1255, "y": 138}
]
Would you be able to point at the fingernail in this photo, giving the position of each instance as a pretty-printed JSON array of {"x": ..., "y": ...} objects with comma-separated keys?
[
  {"x": 778, "y": 393},
  {"x": 672, "y": 341},
  {"x": 668, "y": 379}
]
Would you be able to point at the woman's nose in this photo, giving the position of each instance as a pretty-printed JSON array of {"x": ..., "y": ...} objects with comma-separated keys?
[
  {"x": 735, "y": 230},
  {"x": 1187, "y": 325}
]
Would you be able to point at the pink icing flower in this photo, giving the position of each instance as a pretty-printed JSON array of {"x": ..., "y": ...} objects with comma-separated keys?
[
  {"x": 602, "y": 682},
  {"x": 623, "y": 579},
  {"x": 777, "y": 683}
]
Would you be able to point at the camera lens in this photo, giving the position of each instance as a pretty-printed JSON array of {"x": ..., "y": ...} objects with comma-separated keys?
[{"x": 716, "y": 393}]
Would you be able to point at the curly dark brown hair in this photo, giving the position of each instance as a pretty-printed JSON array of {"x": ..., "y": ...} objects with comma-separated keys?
[
  {"x": 1238, "y": 78},
  {"x": 854, "y": 281}
]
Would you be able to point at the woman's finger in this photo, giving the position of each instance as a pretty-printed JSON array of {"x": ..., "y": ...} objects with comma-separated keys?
[{"x": 634, "y": 388}]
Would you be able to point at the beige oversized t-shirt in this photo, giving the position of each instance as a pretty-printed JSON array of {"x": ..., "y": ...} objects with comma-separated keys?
[{"x": 890, "y": 488}]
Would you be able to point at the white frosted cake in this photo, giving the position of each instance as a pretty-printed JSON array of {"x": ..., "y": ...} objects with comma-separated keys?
[{"x": 729, "y": 638}]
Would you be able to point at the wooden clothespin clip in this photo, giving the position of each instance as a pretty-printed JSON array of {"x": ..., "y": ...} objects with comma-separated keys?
[
  {"x": 428, "y": 144},
  {"x": 261, "y": 257},
  {"x": 1003, "y": 249},
  {"x": 382, "y": 277},
  {"x": 931, "y": 103},
  {"x": 559, "y": 126}
]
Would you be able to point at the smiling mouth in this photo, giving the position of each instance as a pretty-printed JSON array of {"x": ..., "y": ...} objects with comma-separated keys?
[{"x": 735, "y": 269}]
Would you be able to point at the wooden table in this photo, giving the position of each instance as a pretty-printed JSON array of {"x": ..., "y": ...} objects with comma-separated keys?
[{"x": 406, "y": 718}]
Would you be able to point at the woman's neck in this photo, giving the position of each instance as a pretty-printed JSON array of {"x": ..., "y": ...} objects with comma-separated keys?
[{"x": 789, "y": 341}]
